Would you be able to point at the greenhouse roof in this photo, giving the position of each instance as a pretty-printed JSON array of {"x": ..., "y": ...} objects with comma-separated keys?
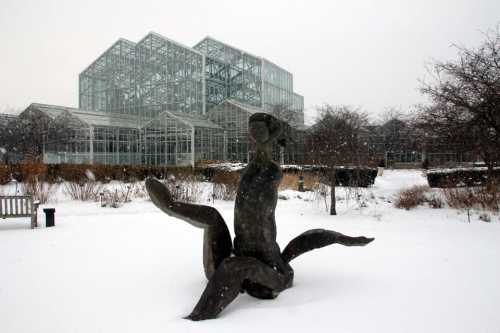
[
  {"x": 186, "y": 118},
  {"x": 195, "y": 120},
  {"x": 222, "y": 45},
  {"x": 254, "y": 109},
  {"x": 249, "y": 108},
  {"x": 93, "y": 118},
  {"x": 5, "y": 118}
]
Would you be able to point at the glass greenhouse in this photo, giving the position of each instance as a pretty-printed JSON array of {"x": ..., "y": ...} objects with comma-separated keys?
[{"x": 158, "y": 102}]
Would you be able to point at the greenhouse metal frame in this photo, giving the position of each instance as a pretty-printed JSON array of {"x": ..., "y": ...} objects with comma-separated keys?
[{"x": 158, "y": 102}]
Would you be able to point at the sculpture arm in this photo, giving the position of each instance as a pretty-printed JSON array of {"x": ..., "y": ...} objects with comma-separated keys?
[
  {"x": 318, "y": 238},
  {"x": 217, "y": 244}
]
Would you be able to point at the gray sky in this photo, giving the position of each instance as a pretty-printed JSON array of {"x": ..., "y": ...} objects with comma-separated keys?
[{"x": 364, "y": 53}]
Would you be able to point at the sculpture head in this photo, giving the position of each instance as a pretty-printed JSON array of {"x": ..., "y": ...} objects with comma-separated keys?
[{"x": 263, "y": 128}]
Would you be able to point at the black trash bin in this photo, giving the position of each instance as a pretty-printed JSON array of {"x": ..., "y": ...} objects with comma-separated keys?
[{"x": 49, "y": 217}]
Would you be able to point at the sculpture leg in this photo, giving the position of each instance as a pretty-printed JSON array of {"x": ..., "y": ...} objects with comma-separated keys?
[
  {"x": 262, "y": 292},
  {"x": 227, "y": 282},
  {"x": 217, "y": 244},
  {"x": 318, "y": 238}
]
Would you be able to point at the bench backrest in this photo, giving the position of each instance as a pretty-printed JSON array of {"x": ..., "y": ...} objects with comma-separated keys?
[{"x": 12, "y": 206}]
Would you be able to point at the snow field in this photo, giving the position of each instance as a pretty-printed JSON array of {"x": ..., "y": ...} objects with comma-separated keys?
[{"x": 135, "y": 269}]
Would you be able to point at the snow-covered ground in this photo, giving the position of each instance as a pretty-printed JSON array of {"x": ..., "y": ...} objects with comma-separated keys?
[{"x": 134, "y": 269}]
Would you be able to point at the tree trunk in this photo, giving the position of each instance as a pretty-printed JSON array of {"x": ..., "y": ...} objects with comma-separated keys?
[
  {"x": 333, "y": 206},
  {"x": 490, "y": 176}
]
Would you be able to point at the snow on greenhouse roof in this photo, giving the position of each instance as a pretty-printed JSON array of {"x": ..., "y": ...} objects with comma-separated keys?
[{"x": 93, "y": 118}]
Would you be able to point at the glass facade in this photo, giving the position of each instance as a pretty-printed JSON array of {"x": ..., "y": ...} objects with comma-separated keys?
[
  {"x": 233, "y": 117},
  {"x": 159, "y": 102},
  {"x": 176, "y": 139},
  {"x": 169, "y": 77},
  {"x": 235, "y": 74},
  {"x": 109, "y": 83},
  {"x": 231, "y": 73}
]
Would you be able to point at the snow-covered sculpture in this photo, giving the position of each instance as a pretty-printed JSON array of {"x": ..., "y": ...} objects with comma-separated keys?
[{"x": 255, "y": 264}]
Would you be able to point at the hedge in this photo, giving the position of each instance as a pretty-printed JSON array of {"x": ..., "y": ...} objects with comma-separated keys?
[
  {"x": 80, "y": 172},
  {"x": 345, "y": 176},
  {"x": 460, "y": 177}
]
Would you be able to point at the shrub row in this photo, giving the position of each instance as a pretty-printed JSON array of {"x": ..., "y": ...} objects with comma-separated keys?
[
  {"x": 344, "y": 176},
  {"x": 460, "y": 177},
  {"x": 80, "y": 172},
  {"x": 361, "y": 177}
]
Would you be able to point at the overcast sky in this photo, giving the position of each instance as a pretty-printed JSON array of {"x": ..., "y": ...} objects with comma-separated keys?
[{"x": 364, "y": 53}]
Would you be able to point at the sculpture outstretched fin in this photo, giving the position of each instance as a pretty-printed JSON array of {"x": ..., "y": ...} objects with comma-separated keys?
[
  {"x": 217, "y": 243},
  {"x": 318, "y": 238}
]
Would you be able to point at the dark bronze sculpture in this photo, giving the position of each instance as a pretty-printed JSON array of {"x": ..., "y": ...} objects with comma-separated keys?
[{"x": 255, "y": 264}]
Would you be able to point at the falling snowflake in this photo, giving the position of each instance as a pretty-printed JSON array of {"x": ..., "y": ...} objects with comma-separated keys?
[{"x": 90, "y": 175}]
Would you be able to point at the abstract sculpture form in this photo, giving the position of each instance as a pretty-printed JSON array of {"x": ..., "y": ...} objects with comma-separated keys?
[{"x": 255, "y": 264}]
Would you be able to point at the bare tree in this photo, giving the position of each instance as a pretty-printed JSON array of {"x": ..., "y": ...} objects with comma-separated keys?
[
  {"x": 335, "y": 139},
  {"x": 465, "y": 98},
  {"x": 26, "y": 134},
  {"x": 284, "y": 112}
]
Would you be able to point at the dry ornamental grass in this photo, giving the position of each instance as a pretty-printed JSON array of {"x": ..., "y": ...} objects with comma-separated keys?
[{"x": 411, "y": 197}]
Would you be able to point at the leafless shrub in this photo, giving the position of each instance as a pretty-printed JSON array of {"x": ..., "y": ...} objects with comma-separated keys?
[
  {"x": 355, "y": 193},
  {"x": 225, "y": 185},
  {"x": 411, "y": 197},
  {"x": 321, "y": 192},
  {"x": 115, "y": 198},
  {"x": 289, "y": 182},
  {"x": 223, "y": 192},
  {"x": 435, "y": 201},
  {"x": 485, "y": 217},
  {"x": 83, "y": 191},
  {"x": 139, "y": 190},
  {"x": 487, "y": 197},
  {"x": 39, "y": 190},
  {"x": 459, "y": 198},
  {"x": 186, "y": 189}
]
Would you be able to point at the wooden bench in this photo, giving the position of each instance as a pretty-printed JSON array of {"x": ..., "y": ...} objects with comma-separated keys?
[{"x": 19, "y": 206}]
